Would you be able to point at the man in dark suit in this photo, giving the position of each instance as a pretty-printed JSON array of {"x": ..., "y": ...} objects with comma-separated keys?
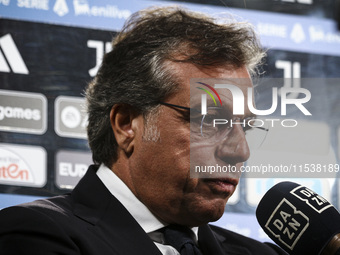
[{"x": 139, "y": 197}]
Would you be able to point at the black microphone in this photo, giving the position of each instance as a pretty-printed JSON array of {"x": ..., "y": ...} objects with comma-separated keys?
[{"x": 299, "y": 220}]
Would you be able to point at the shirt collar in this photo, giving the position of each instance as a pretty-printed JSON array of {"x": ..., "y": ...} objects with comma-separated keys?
[{"x": 136, "y": 208}]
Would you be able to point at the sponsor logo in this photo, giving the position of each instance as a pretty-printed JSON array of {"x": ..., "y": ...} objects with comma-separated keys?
[
  {"x": 82, "y": 7},
  {"x": 33, "y": 4},
  {"x": 318, "y": 34},
  {"x": 70, "y": 117},
  {"x": 22, "y": 165},
  {"x": 312, "y": 199},
  {"x": 287, "y": 224},
  {"x": 297, "y": 35},
  {"x": 5, "y": 2},
  {"x": 291, "y": 75},
  {"x": 60, "y": 8},
  {"x": 10, "y": 58},
  {"x": 71, "y": 167},
  {"x": 270, "y": 29},
  {"x": 23, "y": 112},
  {"x": 101, "y": 48}
]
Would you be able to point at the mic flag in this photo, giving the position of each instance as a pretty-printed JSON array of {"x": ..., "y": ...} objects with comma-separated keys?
[{"x": 297, "y": 219}]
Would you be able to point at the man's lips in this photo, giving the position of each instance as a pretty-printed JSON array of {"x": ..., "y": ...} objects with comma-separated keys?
[{"x": 222, "y": 185}]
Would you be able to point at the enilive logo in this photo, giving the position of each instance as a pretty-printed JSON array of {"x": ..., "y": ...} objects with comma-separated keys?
[
  {"x": 82, "y": 7},
  {"x": 22, "y": 165},
  {"x": 10, "y": 57}
]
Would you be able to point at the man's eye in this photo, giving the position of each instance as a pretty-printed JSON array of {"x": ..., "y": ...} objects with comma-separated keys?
[{"x": 186, "y": 116}]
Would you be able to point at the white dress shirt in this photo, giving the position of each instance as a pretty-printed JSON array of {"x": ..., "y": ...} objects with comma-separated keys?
[{"x": 149, "y": 223}]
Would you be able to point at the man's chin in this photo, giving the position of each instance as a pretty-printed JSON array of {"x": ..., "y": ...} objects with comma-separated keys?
[{"x": 206, "y": 214}]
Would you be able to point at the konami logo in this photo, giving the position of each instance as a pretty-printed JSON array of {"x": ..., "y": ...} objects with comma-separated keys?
[
  {"x": 23, "y": 112},
  {"x": 22, "y": 165}
]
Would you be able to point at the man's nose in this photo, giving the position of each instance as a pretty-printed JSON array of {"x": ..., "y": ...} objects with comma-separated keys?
[{"x": 234, "y": 148}]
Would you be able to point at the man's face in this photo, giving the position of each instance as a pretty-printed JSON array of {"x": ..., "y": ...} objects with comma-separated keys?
[{"x": 160, "y": 171}]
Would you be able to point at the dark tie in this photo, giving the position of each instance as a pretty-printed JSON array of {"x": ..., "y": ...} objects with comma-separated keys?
[{"x": 180, "y": 238}]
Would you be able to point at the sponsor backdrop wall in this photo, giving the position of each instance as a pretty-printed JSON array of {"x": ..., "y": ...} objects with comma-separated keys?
[{"x": 50, "y": 50}]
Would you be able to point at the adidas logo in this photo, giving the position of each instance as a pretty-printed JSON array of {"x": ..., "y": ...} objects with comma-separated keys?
[{"x": 10, "y": 58}]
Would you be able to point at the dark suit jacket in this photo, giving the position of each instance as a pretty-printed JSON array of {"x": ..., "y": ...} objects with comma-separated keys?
[{"x": 92, "y": 221}]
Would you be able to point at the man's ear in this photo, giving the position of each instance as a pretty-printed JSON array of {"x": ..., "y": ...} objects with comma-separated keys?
[{"x": 123, "y": 122}]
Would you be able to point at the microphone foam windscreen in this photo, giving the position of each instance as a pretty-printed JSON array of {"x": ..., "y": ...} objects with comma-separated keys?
[{"x": 297, "y": 219}]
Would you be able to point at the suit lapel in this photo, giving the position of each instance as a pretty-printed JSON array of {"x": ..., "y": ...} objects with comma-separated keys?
[
  {"x": 209, "y": 243},
  {"x": 221, "y": 242},
  {"x": 108, "y": 218}
]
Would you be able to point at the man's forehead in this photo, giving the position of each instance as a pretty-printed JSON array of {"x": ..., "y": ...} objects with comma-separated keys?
[
  {"x": 186, "y": 74},
  {"x": 184, "y": 71},
  {"x": 219, "y": 88}
]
